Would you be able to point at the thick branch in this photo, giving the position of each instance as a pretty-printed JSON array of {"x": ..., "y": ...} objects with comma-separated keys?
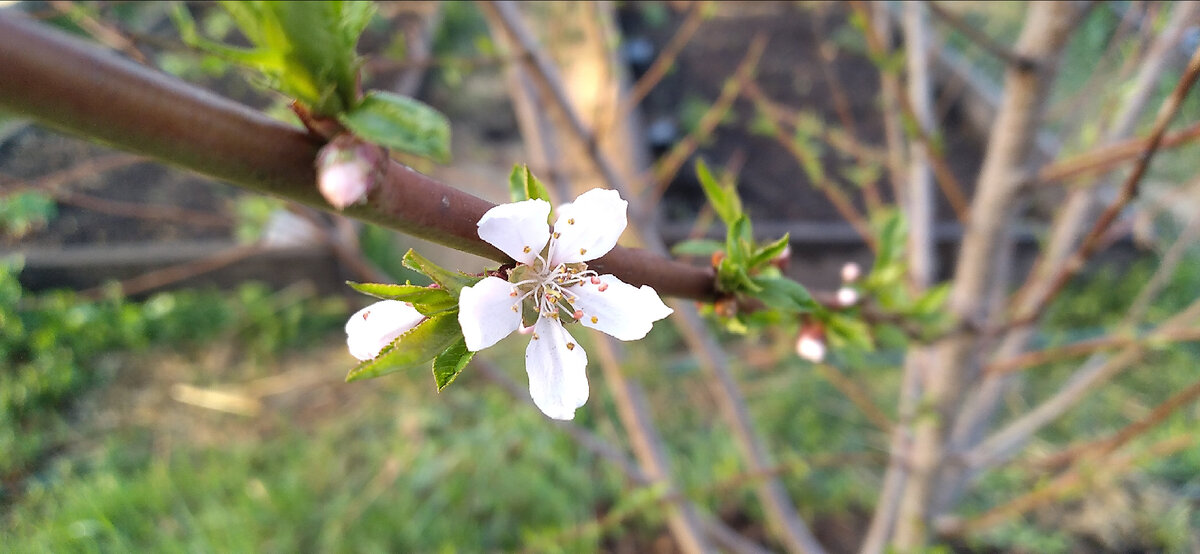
[{"x": 78, "y": 88}]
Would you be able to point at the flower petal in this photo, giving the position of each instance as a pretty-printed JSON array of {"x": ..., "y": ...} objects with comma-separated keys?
[
  {"x": 374, "y": 327},
  {"x": 556, "y": 365},
  {"x": 518, "y": 229},
  {"x": 588, "y": 227},
  {"x": 486, "y": 312},
  {"x": 618, "y": 308}
]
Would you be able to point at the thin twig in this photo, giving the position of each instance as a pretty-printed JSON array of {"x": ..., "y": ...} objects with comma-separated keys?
[
  {"x": 1106, "y": 158},
  {"x": 659, "y": 68},
  {"x": 1128, "y": 192},
  {"x": 166, "y": 276},
  {"x": 1072, "y": 482},
  {"x": 840, "y": 201},
  {"x": 669, "y": 165},
  {"x": 1080, "y": 348},
  {"x": 980, "y": 39},
  {"x": 827, "y": 56},
  {"x": 54, "y": 180},
  {"x": 853, "y": 391},
  {"x": 947, "y": 182},
  {"x": 1002, "y": 444},
  {"x": 160, "y": 212},
  {"x": 1122, "y": 437},
  {"x": 101, "y": 31}
]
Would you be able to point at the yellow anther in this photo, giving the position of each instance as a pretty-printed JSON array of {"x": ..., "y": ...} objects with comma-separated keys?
[{"x": 570, "y": 346}]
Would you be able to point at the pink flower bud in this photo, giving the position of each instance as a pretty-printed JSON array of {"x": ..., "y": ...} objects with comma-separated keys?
[
  {"x": 851, "y": 272},
  {"x": 347, "y": 169},
  {"x": 811, "y": 348},
  {"x": 847, "y": 296},
  {"x": 811, "y": 344}
]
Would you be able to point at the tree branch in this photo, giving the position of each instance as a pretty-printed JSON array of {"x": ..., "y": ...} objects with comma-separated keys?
[{"x": 78, "y": 88}]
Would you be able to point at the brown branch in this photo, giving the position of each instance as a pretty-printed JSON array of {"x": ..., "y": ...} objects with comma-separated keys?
[
  {"x": 99, "y": 30},
  {"x": 836, "y": 197},
  {"x": 91, "y": 92},
  {"x": 947, "y": 182},
  {"x": 1129, "y": 190},
  {"x": 1106, "y": 158},
  {"x": 1084, "y": 347},
  {"x": 162, "y": 277},
  {"x": 981, "y": 39},
  {"x": 1072, "y": 482},
  {"x": 670, "y": 164},
  {"x": 168, "y": 213},
  {"x": 659, "y": 68},
  {"x": 836, "y": 137},
  {"x": 52, "y": 181},
  {"x": 853, "y": 391},
  {"x": 1104, "y": 446},
  {"x": 827, "y": 56}
]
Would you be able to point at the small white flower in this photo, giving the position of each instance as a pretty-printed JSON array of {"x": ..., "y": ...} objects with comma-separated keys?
[
  {"x": 552, "y": 274},
  {"x": 377, "y": 325},
  {"x": 847, "y": 296}
]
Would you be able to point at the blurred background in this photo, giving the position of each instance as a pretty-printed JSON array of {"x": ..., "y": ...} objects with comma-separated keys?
[{"x": 172, "y": 352}]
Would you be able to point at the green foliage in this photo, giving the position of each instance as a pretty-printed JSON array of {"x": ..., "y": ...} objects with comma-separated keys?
[
  {"x": 452, "y": 281},
  {"x": 56, "y": 345},
  {"x": 402, "y": 123},
  {"x": 746, "y": 267},
  {"x": 450, "y": 363},
  {"x": 25, "y": 212},
  {"x": 522, "y": 185},
  {"x": 375, "y": 479},
  {"x": 306, "y": 50}
]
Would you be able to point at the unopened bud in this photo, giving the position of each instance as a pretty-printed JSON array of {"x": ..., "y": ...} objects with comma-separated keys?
[
  {"x": 717, "y": 257},
  {"x": 725, "y": 307},
  {"x": 783, "y": 259},
  {"x": 847, "y": 296},
  {"x": 810, "y": 345},
  {"x": 851, "y": 272},
  {"x": 347, "y": 169}
]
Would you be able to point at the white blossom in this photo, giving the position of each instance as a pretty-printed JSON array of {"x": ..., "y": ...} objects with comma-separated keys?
[
  {"x": 553, "y": 277},
  {"x": 372, "y": 328}
]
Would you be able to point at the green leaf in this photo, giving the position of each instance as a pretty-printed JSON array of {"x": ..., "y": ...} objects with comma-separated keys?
[
  {"x": 428, "y": 301},
  {"x": 402, "y": 123},
  {"x": 697, "y": 247},
  {"x": 416, "y": 347},
  {"x": 739, "y": 241},
  {"x": 784, "y": 294},
  {"x": 932, "y": 301},
  {"x": 450, "y": 363},
  {"x": 522, "y": 185},
  {"x": 732, "y": 277},
  {"x": 452, "y": 281},
  {"x": 769, "y": 252},
  {"x": 844, "y": 331},
  {"x": 724, "y": 199}
]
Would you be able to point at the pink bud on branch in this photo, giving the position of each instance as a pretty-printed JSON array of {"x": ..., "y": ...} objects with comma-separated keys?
[{"x": 348, "y": 168}]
